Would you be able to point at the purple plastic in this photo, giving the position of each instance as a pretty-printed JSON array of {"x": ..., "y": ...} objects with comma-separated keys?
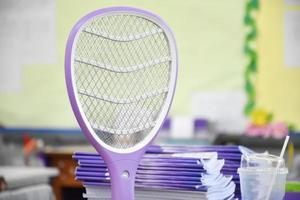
[
  {"x": 166, "y": 125},
  {"x": 200, "y": 124},
  {"x": 292, "y": 196},
  {"x": 122, "y": 188}
]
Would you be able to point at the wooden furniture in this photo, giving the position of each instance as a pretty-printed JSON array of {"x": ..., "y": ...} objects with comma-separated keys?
[{"x": 61, "y": 158}]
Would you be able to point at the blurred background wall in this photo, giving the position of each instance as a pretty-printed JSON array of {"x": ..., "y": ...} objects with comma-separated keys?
[
  {"x": 277, "y": 83},
  {"x": 209, "y": 36},
  {"x": 212, "y": 90}
]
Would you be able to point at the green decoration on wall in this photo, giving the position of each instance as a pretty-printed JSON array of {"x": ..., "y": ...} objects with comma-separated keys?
[{"x": 250, "y": 51}]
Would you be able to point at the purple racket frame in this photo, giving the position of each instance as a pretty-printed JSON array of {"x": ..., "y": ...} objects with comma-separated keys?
[{"x": 119, "y": 164}]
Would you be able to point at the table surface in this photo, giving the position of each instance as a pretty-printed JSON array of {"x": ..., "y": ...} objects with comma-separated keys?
[{"x": 22, "y": 176}]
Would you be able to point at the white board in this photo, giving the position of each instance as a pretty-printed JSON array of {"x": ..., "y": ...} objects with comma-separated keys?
[
  {"x": 292, "y": 38},
  {"x": 223, "y": 108},
  {"x": 27, "y": 37},
  {"x": 292, "y": 2}
]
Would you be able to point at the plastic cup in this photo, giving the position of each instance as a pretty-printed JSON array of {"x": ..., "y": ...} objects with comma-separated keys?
[{"x": 256, "y": 173}]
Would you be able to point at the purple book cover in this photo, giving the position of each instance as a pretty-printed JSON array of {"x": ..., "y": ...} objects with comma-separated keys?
[
  {"x": 218, "y": 180},
  {"x": 150, "y": 158},
  {"x": 229, "y": 157},
  {"x": 144, "y": 177},
  {"x": 144, "y": 172},
  {"x": 180, "y": 149},
  {"x": 146, "y": 158},
  {"x": 141, "y": 168},
  {"x": 161, "y": 169},
  {"x": 96, "y": 163},
  {"x": 175, "y": 149},
  {"x": 143, "y": 181},
  {"x": 91, "y": 169}
]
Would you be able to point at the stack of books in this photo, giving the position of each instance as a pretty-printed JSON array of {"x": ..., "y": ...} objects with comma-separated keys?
[{"x": 170, "y": 172}]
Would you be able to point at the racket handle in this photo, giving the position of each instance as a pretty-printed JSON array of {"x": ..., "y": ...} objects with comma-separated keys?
[{"x": 122, "y": 174}]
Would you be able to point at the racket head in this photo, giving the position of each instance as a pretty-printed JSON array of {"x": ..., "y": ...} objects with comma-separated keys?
[{"x": 72, "y": 89}]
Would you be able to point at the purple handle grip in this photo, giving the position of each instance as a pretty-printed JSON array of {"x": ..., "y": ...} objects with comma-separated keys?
[{"x": 122, "y": 174}]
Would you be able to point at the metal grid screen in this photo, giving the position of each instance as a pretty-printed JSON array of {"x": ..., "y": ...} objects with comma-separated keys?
[{"x": 122, "y": 68}]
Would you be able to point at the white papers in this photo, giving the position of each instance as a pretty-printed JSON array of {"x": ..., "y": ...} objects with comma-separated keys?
[
  {"x": 27, "y": 36},
  {"x": 198, "y": 155},
  {"x": 31, "y": 24},
  {"x": 223, "y": 108},
  {"x": 292, "y": 38},
  {"x": 104, "y": 193},
  {"x": 10, "y": 77},
  {"x": 182, "y": 127},
  {"x": 17, "y": 177},
  {"x": 292, "y": 2},
  {"x": 10, "y": 72}
]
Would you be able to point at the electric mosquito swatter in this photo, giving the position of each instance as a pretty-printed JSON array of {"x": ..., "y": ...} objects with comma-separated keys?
[{"x": 121, "y": 70}]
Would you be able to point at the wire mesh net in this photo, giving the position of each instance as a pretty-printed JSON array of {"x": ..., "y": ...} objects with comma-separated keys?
[{"x": 122, "y": 68}]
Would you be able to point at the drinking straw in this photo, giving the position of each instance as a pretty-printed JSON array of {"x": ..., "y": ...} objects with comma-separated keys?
[{"x": 277, "y": 166}]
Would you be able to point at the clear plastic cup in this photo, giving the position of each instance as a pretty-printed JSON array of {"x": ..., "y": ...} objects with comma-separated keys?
[{"x": 256, "y": 174}]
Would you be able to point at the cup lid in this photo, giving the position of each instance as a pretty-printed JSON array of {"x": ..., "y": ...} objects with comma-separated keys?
[
  {"x": 254, "y": 170},
  {"x": 262, "y": 160}
]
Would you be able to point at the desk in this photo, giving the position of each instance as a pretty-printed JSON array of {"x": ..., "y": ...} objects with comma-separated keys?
[
  {"x": 26, "y": 183},
  {"x": 61, "y": 158}
]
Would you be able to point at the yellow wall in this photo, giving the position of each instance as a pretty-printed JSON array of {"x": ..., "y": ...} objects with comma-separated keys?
[{"x": 278, "y": 87}]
